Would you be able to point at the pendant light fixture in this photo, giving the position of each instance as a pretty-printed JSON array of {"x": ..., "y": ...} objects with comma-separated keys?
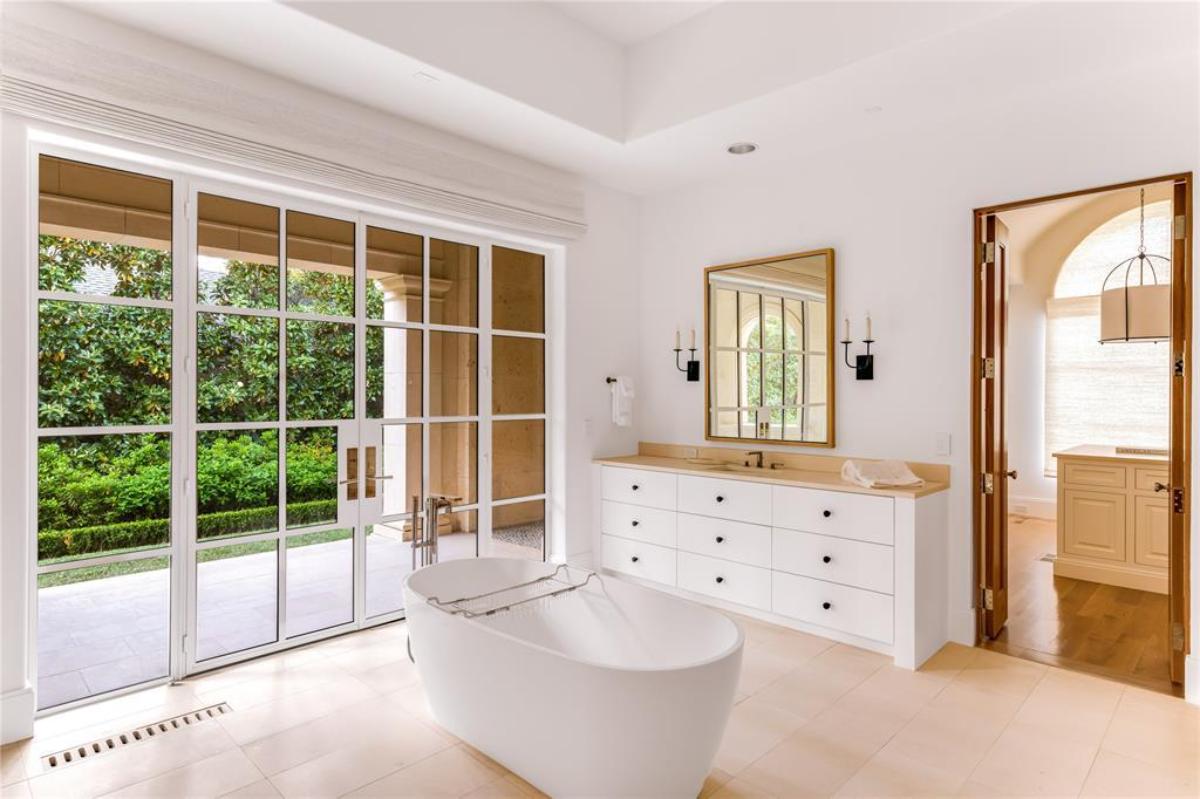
[{"x": 1142, "y": 311}]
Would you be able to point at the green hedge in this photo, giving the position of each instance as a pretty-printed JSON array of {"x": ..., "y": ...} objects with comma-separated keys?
[{"x": 54, "y": 544}]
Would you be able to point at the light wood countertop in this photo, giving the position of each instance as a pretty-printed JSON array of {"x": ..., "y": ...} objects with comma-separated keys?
[
  {"x": 803, "y": 478},
  {"x": 1100, "y": 452}
]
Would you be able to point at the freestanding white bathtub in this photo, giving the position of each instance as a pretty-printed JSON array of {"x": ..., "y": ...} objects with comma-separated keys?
[{"x": 609, "y": 690}]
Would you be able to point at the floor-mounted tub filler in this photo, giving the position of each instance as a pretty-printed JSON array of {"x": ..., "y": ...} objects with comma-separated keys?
[{"x": 581, "y": 685}]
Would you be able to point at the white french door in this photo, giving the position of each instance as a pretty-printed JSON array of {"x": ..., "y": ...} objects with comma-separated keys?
[{"x": 325, "y": 371}]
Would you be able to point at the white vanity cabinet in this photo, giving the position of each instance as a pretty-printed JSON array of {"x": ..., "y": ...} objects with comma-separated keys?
[{"x": 863, "y": 567}]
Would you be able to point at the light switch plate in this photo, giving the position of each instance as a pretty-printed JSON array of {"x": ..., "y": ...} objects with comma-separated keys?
[{"x": 941, "y": 445}]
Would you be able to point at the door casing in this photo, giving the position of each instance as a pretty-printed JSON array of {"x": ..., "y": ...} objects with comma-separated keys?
[{"x": 1181, "y": 428}]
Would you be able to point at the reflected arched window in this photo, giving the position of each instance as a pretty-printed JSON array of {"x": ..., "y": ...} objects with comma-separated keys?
[{"x": 1116, "y": 394}]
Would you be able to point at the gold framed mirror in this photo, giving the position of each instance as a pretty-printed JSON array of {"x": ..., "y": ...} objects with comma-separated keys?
[{"x": 768, "y": 337}]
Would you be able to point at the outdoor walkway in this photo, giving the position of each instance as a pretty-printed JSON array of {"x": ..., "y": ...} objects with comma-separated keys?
[{"x": 109, "y": 633}]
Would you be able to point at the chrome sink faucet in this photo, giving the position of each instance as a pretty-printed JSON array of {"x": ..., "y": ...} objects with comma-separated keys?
[{"x": 758, "y": 456}]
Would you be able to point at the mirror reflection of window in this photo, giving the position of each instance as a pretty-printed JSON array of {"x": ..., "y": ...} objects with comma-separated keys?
[{"x": 768, "y": 341}]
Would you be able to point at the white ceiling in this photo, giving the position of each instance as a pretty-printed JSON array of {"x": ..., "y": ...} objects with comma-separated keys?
[
  {"x": 627, "y": 23},
  {"x": 646, "y": 108}
]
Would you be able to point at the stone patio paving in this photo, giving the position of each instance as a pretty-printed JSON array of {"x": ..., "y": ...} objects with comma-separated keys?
[{"x": 104, "y": 634}]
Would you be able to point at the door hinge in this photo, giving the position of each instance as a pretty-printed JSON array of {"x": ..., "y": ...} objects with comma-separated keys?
[
  {"x": 987, "y": 483},
  {"x": 1177, "y": 500},
  {"x": 1179, "y": 366},
  {"x": 1180, "y": 226},
  {"x": 987, "y": 252},
  {"x": 1177, "y": 636},
  {"x": 987, "y": 599},
  {"x": 989, "y": 368}
]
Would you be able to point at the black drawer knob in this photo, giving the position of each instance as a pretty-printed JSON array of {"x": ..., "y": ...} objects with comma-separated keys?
[
  {"x": 826, "y": 559},
  {"x": 826, "y": 605},
  {"x": 635, "y": 522},
  {"x": 634, "y": 558},
  {"x": 720, "y": 499},
  {"x": 636, "y": 486},
  {"x": 720, "y": 539},
  {"x": 826, "y": 513},
  {"x": 720, "y": 579}
]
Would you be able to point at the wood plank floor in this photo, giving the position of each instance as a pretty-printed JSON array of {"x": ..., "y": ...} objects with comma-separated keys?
[{"x": 1120, "y": 633}]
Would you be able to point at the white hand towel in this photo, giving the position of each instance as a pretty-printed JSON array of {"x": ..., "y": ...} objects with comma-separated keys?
[
  {"x": 622, "y": 401},
  {"x": 879, "y": 474}
]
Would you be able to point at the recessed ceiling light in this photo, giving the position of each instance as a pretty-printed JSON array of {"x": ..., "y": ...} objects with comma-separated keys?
[{"x": 742, "y": 148}]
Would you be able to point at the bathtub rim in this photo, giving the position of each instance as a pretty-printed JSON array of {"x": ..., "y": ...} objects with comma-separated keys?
[{"x": 738, "y": 643}]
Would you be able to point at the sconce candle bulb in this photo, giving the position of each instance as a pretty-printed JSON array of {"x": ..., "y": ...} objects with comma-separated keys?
[{"x": 864, "y": 365}]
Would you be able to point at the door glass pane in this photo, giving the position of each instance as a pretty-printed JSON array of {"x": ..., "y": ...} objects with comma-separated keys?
[
  {"x": 238, "y": 249},
  {"x": 320, "y": 264},
  {"x": 519, "y": 454},
  {"x": 793, "y": 327},
  {"x": 453, "y": 283},
  {"x": 518, "y": 375},
  {"x": 724, "y": 317},
  {"x": 101, "y": 628},
  {"x": 236, "y": 598},
  {"x": 401, "y": 461},
  {"x": 393, "y": 372},
  {"x": 773, "y": 379},
  {"x": 237, "y": 368},
  {"x": 458, "y": 535},
  {"x": 773, "y": 323},
  {"x": 103, "y": 364},
  {"x": 389, "y": 561},
  {"x": 102, "y": 495},
  {"x": 395, "y": 270},
  {"x": 320, "y": 370},
  {"x": 320, "y": 581},
  {"x": 453, "y": 364},
  {"x": 237, "y": 482},
  {"x": 453, "y": 457},
  {"x": 749, "y": 332},
  {"x": 519, "y": 530},
  {"x": 518, "y": 290},
  {"x": 312, "y": 489},
  {"x": 103, "y": 231}
]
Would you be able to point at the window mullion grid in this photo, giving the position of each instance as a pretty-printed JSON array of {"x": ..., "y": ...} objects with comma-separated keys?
[
  {"x": 358, "y": 564},
  {"x": 281, "y": 440},
  {"x": 483, "y": 459}
]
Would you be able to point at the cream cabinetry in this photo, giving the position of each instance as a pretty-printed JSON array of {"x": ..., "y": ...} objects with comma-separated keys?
[
  {"x": 1113, "y": 526},
  {"x": 863, "y": 567}
]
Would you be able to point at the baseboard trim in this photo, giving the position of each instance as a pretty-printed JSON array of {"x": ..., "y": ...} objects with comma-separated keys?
[
  {"x": 1123, "y": 576},
  {"x": 1191, "y": 679},
  {"x": 1033, "y": 507},
  {"x": 17, "y": 709}
]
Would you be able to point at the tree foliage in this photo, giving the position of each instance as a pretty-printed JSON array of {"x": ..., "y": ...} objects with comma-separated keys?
[{"x": 104, "y": 364}]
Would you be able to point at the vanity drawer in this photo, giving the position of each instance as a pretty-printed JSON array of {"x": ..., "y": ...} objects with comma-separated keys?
[
  {"x": 652, "y": 525},
  {"x": 723, "y": 579},
  {"x": 721, "y": 538},
  {"x": 638, "y": 487},
  {"x": 639, "y": 559},
  {"x": 1094, "y": 474},
  {"x": 835, "y": 513},
  {"x": 1144, "y": 479},
  {"x": 725, "y": 499},
  {"x": 838, "y": 560},
  {"x": 839, "y": 607}
]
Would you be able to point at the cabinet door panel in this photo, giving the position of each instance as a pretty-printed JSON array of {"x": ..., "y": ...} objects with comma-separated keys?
[
  {"x": 1095, "y": 524},
  {"x": 1151, "y": 531}
]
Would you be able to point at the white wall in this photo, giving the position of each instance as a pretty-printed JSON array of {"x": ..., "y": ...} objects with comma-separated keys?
[
  {"x": 603, "y": 337},
  {"x": 898, "y": 213}
]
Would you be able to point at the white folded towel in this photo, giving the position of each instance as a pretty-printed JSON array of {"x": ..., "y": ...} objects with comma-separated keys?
[
  {"x": 879, "y": 474},
  {"x": 622, "y": 400}
]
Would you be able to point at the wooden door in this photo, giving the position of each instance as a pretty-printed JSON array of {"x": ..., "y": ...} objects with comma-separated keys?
[
  {"x": 1181, "y": 353},
  {"x": 992, "y": 447}
]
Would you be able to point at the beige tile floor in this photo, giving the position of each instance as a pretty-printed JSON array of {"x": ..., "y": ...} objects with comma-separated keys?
[{"x": 347, "y": 717}]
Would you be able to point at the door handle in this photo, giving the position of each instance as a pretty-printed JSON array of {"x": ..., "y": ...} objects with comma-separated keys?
[
  {"x": 351, "y": 481},
  {"x": 1161, "y": 487},
  {"x": 1012, "y": 475}
]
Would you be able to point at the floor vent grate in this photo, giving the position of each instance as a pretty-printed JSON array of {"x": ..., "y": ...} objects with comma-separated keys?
[{"x": 111, "y": 743}]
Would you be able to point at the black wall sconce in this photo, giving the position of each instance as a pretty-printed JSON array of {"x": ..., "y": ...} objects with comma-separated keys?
[
  {"x": 692, "y": 367},
  {"x": 864, "y": 365}
]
